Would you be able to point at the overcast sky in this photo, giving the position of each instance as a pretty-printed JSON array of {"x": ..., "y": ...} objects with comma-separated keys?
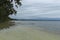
[{"x": 38, "y": 9}]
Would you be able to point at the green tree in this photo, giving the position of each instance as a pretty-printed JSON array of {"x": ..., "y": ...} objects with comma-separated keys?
[{"x": 7, "y": 8}]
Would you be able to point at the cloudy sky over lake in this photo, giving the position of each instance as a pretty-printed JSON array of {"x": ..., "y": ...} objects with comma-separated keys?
[{"x": 38, "y": 9}]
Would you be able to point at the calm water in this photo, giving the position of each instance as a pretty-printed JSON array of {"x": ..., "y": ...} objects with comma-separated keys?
[{"x": 46, "y": 25}]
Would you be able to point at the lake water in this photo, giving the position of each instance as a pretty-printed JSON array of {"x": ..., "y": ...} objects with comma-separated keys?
[
  {"x": 46, "y": 25},
  {"x": 50, "y": 25}
]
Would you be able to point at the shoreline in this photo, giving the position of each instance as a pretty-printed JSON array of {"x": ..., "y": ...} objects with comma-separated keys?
[
  {"x": 26, "y": 33},
  {"x": 19, "y": 32}
]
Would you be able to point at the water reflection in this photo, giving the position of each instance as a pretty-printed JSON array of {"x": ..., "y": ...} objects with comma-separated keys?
[{"x": 6, "y": 24}]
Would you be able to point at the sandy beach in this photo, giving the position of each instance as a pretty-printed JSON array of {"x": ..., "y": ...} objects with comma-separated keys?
[{"x": 26, "y": 33}]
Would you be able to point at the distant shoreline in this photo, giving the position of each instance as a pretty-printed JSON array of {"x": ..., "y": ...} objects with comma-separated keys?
[{"x": 32, "y": 20}]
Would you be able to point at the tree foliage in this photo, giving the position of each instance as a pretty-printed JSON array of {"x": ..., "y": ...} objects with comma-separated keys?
[{"x": 7, "y": 8}]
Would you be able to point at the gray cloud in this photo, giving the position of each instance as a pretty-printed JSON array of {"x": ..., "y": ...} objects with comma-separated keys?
[{"x": 38, "y": 8}]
